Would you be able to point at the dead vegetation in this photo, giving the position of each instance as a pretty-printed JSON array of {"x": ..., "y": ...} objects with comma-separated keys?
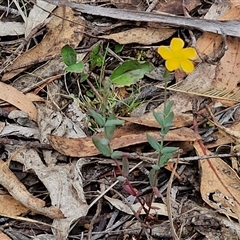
[{"x": 54, "y": 182}]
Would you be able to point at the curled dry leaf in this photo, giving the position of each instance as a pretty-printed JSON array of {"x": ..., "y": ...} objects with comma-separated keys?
[
  {"x": 20, "y": 193},
  {"x": 220, "y": 185},
  {"x": 62, "y": 30},
  {"x": 18, "y": 99}
]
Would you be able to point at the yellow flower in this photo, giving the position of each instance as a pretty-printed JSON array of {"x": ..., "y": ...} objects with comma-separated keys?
[{"x": 178, "y": 57}]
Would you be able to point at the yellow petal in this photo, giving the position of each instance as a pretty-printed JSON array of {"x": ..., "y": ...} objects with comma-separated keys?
[
  {"x": 176, "y": 44},
  {"x": 186, "y": 65},
  {"x": 172, "y": 64},
  {"x": 165, "y": 52},
  {"x": 189, "y": 53}
]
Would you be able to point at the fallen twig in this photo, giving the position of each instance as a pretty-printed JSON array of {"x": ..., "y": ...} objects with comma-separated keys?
[{"x": 231, "y": 28}]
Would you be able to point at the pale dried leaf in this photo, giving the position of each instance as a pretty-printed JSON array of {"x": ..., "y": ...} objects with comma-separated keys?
[
  {"x": 11, "y": 29},
  {"x": 61, "y": 31},
  {"x": 9, "y": 181},
  {"x": 37, "y": 15},
  {"x": 64, "y": 184},
  {"x": 141, "y": 35},
  {"x": 157, "y": 208}
]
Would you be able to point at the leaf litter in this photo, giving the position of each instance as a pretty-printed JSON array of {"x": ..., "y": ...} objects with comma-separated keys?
[{"x": 71, "y": 174}]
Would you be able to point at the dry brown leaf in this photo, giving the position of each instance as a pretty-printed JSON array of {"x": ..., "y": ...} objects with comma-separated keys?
[
  {"x": 18, "y": 99},
  {"x": 9, "y": 206},
  {"x": 9, "y": 181},
  {"x": 3, "y": 236},
  {"x": 220, "y": 185},
  {"x": 176, "y": 6},
  {"x": 126, "y": 136},
  {"x": 141, "y": 35},
  {"x": 61, "y": 31},
  {"x": 227, "y": 71},
  {"x": 223, "y": 138}
]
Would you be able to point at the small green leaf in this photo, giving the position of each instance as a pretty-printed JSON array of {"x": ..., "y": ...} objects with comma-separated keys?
[
  {"x": 113, "y": 122},
  {"x": 130, "y": 72},
  {"x": 69, "y": 56},
  {"x": 152, "y": 177},
  {"x": 169, "y": 150},
  {"x": 102, "y": 147},
  {"x": 169, "y": 119},
  {"x": 118, "y": 48},
  {"x": 117, "y": 155},
  {"x": 155, "y": 167},
  {"x": 164, "y": 159},
  {"x": 77, "y": 67},
  {"x": 121, "y": 179},
  {"x": 104, "y": 141},
  {"x": 159, "y": 118},
  {"x": 84, "y": 76},
  {"x": 125, "y": 166},
  {"x": 164, "y": 131},
  {"x": 168, "y": 107},
  {"x": 96, "y": 58},
  {"x": 98, "y": 118},
  {"x": 154, "y": 143},
  {"x": 109, "y": 132}
]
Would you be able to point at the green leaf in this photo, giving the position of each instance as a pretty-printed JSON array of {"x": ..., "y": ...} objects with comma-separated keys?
[
  {"x": 154, "y": 143},
  {"x": 98, "y": 118},
  {"x": 69, "y": 56},
  {"x": 109, "y": 132},
  {"x": 125, "y": 166},
  {"x": 169, "y": 150},
  {"x": 155, "y": 167},
  {"x": 159, "y": 118},
  {"x": 102, "y": 147},
  {"x": 168, "y": 108},
  {"x": 117, "y": 155},
  {"x": 96, "y": 58},
  {"x": 164, "y": 131},
  {"x": 152, "y": 177},
  {"x": 84, "y": 76},
  {"x": 164, "y": 159},
  {"x": 121, "y": 179},
  {"x": 77, "y": 67},
  {"x": 169, "y": 119},
  {"x": 113, "y": 122},
  {"x": 118, "y": 48},
  {"x": 130, "y": 72}
]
